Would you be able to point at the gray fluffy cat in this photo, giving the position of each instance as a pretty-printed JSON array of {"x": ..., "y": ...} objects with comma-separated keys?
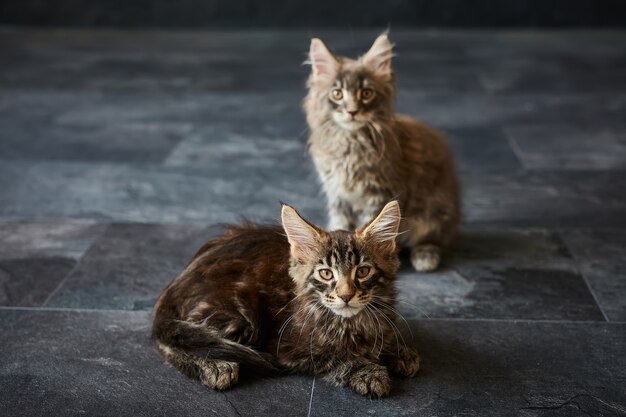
[{"x": 366, "y": 155}]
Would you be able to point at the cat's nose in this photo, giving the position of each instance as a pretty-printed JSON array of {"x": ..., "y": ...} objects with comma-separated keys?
[
  {"x": 352, "y": 112},
  {"x": 347, "y": 296}
]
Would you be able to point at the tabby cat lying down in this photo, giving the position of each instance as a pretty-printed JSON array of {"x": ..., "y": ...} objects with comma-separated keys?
[{"x": 311, "y": 302}]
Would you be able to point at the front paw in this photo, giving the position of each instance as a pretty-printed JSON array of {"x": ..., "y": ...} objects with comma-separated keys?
[
  {"x": 425, "y": 257},
  {"x": 219, "y": 375},
  {"x": 372, "y": 381},
  {"x": 407, "y": 363}
]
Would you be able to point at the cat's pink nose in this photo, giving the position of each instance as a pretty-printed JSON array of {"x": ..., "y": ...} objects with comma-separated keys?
[
  {"x": 352, "y": 112},
  {"x": 346, "y": 296}
]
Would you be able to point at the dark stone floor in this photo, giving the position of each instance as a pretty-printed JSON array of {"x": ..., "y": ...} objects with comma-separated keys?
[{"x": 122, "y": 152}]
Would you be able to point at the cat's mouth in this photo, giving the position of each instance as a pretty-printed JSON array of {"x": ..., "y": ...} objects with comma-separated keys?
[
  {"x": 348, "y": 122},
  {"x": 346, "y": 310}
]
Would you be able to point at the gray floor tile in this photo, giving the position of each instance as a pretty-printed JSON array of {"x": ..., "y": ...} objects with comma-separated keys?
[
  {"x": 164, "y": 65},
  {"x": 477, "y": 368},
  {"x": 70, "y": 363},
  {"x": 481, "y": 150},
  {"x": 128, "y": 266},
  {"x": 36, "y": 257},
  {"x": 562, "y": 70},
  {"x": 29, "y": 282},
  {"x": 584, "y": 47},
  {"x": 109, "y": 192},
  {"x": 61, "y": 238},
  {"x": 436, "y": 77},
  {"x": 570, "y": 146},
  {"x": 260, "y": 148},
  {"x": 125, "y": 142},
  {"x": 504, "y": 274},
  {"x": 547, "y": 198},
  {"x": 601, "y": 258},
  {"x": 223, "y": 192},
  {"x": 483, "y": 110},
  {"x": 85, "y": 108}
]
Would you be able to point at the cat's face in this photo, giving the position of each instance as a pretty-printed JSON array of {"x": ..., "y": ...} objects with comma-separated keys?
[
  {"x": 347, "y": 277},
  {"x": 344, "y": 272},
  {"x": 351, "y": 93}
]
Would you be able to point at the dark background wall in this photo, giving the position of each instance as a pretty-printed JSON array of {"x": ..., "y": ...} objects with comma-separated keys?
[{"x": 314, "y": 13}]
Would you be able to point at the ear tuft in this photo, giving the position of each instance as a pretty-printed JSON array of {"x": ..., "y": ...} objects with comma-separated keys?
[
  {"x": 383, "y": 230},
  {"x": 378, "y": 58},
  {"x": 304, "y": 238},
  {"x": 323, "y": 62}
]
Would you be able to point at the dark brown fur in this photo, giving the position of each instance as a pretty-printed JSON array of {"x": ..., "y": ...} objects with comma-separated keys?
[{"x": 252, "y": 297}]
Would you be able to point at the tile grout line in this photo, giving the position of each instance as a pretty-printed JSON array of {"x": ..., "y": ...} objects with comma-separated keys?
[
  {"x": 58, "y": 287},
  {"x": 449, "y": 319},
  {"x": 71, "y": 271},
  {"x": 593, "y": 294},
  {"x": 311, "y": 399},
  {"x": 591, "y": 291},
  {"x": 514, "y": 147},
  {"x": 583, "y": 275}
]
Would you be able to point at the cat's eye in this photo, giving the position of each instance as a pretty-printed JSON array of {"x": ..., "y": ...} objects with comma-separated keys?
[
  {"x": 337, "y": 94},
  {"x": 367, "y": 94},
  {"x": 363, "y": 271},
  {"x": 325, "y": 274}
]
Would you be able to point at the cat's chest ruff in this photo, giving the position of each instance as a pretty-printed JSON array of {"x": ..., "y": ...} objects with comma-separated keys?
[
  {"x": 350, "y": 336},
  {"x": 347, "y": 160},
  {"x": 343, "y": 147}
]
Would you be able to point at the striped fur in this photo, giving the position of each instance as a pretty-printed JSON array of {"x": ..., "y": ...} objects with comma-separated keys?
[{"x": 247, "y": 299}]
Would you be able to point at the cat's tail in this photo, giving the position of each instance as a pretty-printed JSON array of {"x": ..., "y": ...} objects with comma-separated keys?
[{"x": 197, "y": 340}]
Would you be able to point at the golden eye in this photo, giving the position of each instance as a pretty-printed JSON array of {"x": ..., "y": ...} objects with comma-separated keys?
[
  {"x": 367, "y": 94},
  {"x": 337, "y": 94},
  {"x": 363, "y": 271},
  {"x": 325, "y": 274}
]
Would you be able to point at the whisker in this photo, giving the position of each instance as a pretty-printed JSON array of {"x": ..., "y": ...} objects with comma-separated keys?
[
  {"x": 311, "y": 338},
  {"x": 306, "y": 318},
  {"x": 396, "y": 312},
  {"x": 369, "y": 315},
  {"x": 414, "y": 306},
  {"x": 284, "y": 327},
  {"x": 380, "y": 327},
  {"x": 387, "y": 306},
  {"x": 285, "y": 306},
  {"x": 395, "y": 330}
]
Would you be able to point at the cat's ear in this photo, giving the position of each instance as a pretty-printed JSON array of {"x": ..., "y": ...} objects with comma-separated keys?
[
  {"x": 378, "y": 58},
  {"x": 304, "y": 238},
  {"x": 383, "y": 230},
  {"x": 323, "y": 62}
]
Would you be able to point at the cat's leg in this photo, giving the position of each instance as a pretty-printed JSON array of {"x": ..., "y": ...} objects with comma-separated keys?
[
  {"x": 423, "y": 237},
  {"x": 425, "y": 257},
  {"x": 430, "y": 229},
  {"x": 369, "y": 379},
  {"x": 215, "y": 374},
  {"x": 405, "y": 363},
  {"x": 340, "y": 214},
  {"x": 419, "y": 234}
]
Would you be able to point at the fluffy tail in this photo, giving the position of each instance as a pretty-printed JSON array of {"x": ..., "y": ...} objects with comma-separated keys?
[{"x": 197, "y": 340}]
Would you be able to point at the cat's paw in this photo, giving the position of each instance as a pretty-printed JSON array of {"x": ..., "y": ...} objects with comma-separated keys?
[
  {"x": 372, "y": 381},
  {"x": 425, "y": 257},
  {"x": 407, "y": 363},
  {"x": 220, "y": 375}
]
